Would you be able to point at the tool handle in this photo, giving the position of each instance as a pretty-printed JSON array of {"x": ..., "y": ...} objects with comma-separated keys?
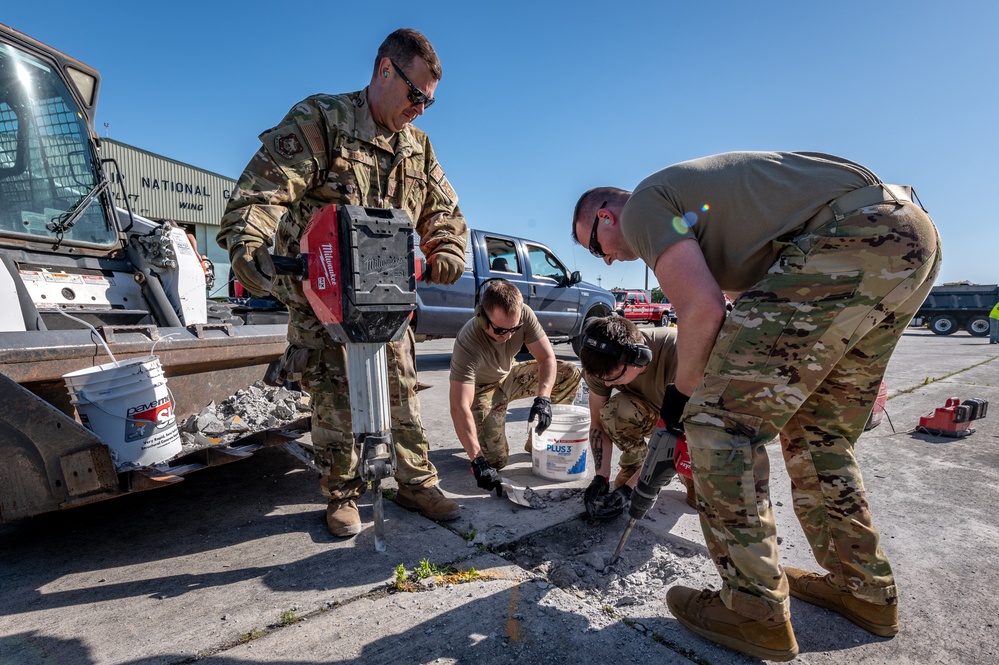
[{"x": 286, "y": 265}]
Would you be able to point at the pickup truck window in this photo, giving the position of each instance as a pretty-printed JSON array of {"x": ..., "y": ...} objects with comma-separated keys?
[
  {"x": 544, "y": 263},
  {"x": 502, "y": 255}
]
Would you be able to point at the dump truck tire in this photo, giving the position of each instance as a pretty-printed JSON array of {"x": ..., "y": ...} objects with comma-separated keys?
[
  {"x": 978, "y": 326},
  {"x": 944, "y": 325}
]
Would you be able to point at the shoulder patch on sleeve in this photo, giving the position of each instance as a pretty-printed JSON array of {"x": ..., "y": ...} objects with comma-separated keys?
[
  {"x": 313, "y": 137},
  {"x": 287, "y": 145}
]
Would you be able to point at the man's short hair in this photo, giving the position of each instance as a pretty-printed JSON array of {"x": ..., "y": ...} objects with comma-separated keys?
[
  {"x": 405, "y": 44},
  {"x": 589, "y": 203},
  {"x": 611, "y": 329},
  {"x": 503, "y": 295}
]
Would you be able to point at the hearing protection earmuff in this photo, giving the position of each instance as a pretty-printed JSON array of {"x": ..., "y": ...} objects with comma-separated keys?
[
  {"x": 480, "y": 314},
  {"x": 636, "y": 355}
]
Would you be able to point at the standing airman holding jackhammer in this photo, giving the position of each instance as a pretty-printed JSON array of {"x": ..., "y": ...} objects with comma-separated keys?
[{"x": 352, "y": 149}]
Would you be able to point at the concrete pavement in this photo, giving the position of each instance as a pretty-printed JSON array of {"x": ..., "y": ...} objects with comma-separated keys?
[{"x": 234, "y": 565}]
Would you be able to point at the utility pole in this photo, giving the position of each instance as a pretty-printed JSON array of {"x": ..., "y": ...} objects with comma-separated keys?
[{"x": 646, "y": 277}]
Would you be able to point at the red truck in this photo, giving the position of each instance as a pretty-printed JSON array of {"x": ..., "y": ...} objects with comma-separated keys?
[{"x": 636, "y": 305}]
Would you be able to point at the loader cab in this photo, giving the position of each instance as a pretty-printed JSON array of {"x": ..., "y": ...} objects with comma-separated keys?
[{"x": 53, "y": 192}]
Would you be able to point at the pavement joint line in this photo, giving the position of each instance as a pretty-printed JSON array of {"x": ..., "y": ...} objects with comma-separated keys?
[
  {"x": 381, "y": 592},
  {"x": 659, "y": 638},
  {"x": 928, "y": 381}
]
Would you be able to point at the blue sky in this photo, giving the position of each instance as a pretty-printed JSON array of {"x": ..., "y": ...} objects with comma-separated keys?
[{"x": 541, "y": 101}]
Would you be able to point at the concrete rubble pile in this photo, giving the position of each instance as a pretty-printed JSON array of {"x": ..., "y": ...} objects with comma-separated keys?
[{"x": 257, "y": 408}]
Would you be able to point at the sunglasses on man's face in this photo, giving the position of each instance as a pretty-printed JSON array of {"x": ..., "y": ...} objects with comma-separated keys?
[
  {"x": 594, "y": 246},
  {"x": 416, "y": 95},
  {"x": 503, "y": 331}
]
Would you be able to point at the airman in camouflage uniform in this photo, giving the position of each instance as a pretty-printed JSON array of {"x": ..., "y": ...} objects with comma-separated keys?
[
  {"x": 831, "y": 265},
  {"x": 352, "y": 149},
  {"x": 485, "y": 377},
  {"x": 626, "y": 418}
]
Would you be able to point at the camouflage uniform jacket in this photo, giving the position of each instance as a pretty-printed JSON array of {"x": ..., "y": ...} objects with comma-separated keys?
[{"x": 329, "y": 150}]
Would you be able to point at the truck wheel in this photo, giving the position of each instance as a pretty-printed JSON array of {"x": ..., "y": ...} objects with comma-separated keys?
[
  {"x": 660, "y": 322},
  {"x": 978, "y": 326},
  {"x": 944, "y": 325}
]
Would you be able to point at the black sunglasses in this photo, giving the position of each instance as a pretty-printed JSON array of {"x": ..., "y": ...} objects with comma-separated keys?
[
  {"x": 594, "y": 247},
  {"x": 502, "y": 331},
  {"x": 416, "y": 95}
]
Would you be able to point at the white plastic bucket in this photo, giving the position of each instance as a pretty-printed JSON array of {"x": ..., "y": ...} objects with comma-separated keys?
[
  {"x": 128, "y": 406},
  {"x": 562, "y": 451}
]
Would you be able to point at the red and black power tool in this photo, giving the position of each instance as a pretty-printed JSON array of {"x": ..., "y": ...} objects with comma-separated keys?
[
  {"x": 358, "y": 272},
  {"x": 954, "y": 418}
]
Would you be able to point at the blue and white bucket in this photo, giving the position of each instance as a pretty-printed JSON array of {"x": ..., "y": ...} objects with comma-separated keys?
[{"x": 562, "y": 451}]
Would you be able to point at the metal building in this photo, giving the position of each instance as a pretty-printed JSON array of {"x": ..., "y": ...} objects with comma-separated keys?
[{"x": 161, "y": 188}]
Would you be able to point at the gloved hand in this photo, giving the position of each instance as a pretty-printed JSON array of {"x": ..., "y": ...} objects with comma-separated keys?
[
  {"x": 253, "y": 266},
  {"x": 672, "y": 408},
  {"x": 486, "y": 477},
  {"x": 444, "y": 268},
  {"x": 610, "y": 505},
  {"x": 598, "y": 488},
  {"x": 542, "y": 410}
]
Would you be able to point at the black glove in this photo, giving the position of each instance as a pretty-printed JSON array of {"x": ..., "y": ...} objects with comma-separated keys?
[
  {"x": 611, "y": 505},
  {"x": 672, "y": 408},
  {"x": 486, "y": 477},
  {"x": 598, "y": 488},
  {"x": 542, "y": 409}
]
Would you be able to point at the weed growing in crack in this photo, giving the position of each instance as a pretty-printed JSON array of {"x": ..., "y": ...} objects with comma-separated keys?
[
  {"x": 288, "y": 617},
  {"x": 252, "y": 635},
  {"x": 440, "y": 574}
]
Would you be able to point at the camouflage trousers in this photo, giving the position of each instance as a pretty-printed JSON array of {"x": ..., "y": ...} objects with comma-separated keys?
[
  {"x": 802, "y": 356},
  {"x": 629, "y": 420},
  {"x": 490, "y": 401},
  {"x": 325, "y": 377}
]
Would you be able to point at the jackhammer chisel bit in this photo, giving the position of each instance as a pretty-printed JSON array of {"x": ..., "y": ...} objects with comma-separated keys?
[{"x": 657, "y": 470}]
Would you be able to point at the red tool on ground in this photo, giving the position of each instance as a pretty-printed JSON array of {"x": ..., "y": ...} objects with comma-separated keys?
[{"x": 954, "y": 418}]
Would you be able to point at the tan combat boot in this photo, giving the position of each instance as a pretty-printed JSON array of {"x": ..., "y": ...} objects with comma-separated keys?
[
  {"x": 429, "y": 501},
  {"x": 704, "y": 613},
  {"x": 813, "y": 588},
  {"x": 691, "y": 495},
  {"x": 625, "y": 474},
  {"x": 342, "y": 518}
]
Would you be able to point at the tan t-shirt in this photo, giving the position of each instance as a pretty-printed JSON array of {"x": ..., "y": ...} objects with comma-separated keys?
[
  {"x": 735, "y": 205},
  {"x": 650, "y": 384},
  {"x": 478, "y": 358}
]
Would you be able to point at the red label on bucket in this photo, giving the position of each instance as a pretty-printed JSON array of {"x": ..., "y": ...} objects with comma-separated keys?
[{"x": 138, "y": 423}]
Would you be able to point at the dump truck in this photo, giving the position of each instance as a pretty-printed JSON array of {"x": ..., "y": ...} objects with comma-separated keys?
[
  {"x": 83, "y": 283},
  {"x": 958, "y": 306}
]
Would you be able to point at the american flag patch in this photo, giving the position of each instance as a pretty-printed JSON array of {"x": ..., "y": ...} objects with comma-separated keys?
[
  {"x": 437, "y": 173},
  {"x": 312, "y": 136}
]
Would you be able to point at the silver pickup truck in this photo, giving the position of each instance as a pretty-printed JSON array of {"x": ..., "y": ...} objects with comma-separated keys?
[{"x": 561, "y": 300}]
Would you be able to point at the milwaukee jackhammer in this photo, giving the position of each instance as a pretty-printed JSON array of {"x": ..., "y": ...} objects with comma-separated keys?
[{"x": 358, "y": 273}]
